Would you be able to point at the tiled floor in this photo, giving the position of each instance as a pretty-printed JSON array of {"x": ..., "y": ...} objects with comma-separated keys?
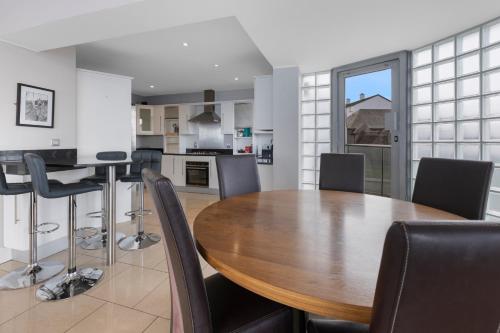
[{"x": 134, "y": 295}]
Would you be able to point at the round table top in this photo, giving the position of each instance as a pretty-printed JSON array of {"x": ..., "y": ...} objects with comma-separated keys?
[{"x": 318, "y": 251}]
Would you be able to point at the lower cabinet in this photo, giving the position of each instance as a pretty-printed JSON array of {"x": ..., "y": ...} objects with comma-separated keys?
[
  {"x": 173, "y": 167},
  {"x": 266, "y": 176}
]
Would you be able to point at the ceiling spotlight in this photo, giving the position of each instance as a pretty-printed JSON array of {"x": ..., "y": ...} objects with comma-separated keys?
[
  {"x": 185, "y": 44},
  {"x": 236, "y": 78},
  {"x": 151, "y": 86},
  {"x": 216, "y": 65}
]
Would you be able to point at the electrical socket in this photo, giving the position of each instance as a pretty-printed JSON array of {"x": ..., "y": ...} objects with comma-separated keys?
[{"x": 55, "y": 142}]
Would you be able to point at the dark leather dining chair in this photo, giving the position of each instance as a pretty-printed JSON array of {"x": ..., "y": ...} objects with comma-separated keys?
[
  {"x": 435, "y": 277},
  {"x": 238, "y": 174},
  {"x": 214, "y": 304},
  {"x": 457, "y": 186},
  {"x": 342, "y": 172}
]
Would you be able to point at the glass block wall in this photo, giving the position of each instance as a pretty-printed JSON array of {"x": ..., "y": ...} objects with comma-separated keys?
[
  {"x": 314, "y": 126},
  {"x": 456, "y": 101}
]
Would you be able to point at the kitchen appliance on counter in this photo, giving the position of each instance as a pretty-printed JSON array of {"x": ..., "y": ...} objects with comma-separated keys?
[{"x": 197, "y": 173}]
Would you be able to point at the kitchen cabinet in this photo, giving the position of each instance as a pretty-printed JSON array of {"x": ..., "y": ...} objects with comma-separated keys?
[
  {"x": 185, "y": 126},
  {"x": 145, "y": 118},
  {"x": 149, "y": 119},
  {"x": 227, "y": 115},
  {"x": 213, "y": 179},
  {"x": 263, "y": 103},
  {"x": 173, "y": 167},
  {"x": 266, "y": 176}
]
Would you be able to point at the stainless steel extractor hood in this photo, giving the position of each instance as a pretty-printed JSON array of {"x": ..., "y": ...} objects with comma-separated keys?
[{"x": 208, "y": 116}]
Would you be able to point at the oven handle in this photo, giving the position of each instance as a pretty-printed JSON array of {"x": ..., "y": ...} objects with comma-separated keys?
[{"x": 195, "y": 168}]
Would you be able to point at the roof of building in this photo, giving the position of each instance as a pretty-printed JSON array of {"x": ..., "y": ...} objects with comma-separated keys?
[
  {"x": 365, "y": 99},
  {"x": 367, "y": 118}
]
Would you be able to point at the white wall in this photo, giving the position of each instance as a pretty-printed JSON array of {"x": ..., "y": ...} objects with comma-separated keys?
[
  {"x": 104, "y": 121},
  {"x": 53, "y": 70},
  {"x": 286, "y": 128}
]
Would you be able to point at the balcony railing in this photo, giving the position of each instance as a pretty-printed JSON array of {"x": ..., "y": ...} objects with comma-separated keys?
[{"x": 377, "y": 167}]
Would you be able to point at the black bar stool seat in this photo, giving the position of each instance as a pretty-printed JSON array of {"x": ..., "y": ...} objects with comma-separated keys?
[
  {"x": 150, "y": 159},
  {"x": 75, "y": 281},
  {"x": 100, "y": 177},
  {"x": 35, "y": 272}
]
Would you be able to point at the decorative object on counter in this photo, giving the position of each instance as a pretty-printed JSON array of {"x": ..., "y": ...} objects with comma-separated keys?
[
  {"x": 75, "y": 281},
  {"x": 244, "y": 132},
  {"x": 35, "y": 106},
  {"x": 150, "y": 159},
  {"x": 100, "y": 177},
  {"x": 36, "y": 271},
  {"x": 171, "y": 127}
]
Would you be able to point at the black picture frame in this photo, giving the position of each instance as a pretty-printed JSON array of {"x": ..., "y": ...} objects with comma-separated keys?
[{"x": 45, "y": 100}]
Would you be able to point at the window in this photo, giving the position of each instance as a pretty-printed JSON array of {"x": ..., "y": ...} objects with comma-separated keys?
[
  {"x": 456, "y": 102},
  {"x": 315, "y": 125}
]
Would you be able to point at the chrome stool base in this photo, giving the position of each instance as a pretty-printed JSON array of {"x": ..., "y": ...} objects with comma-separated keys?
[
  {"x": 30, "y": 275},
  {"x": 99, "y": 242},
  {"x": 70, "y": 284},
  {"x": 140, "y": 241}
]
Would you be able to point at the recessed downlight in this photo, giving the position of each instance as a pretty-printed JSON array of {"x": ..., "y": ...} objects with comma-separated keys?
[
  {"x": 236, "y": 78},
  {"x": 151, "y": 86},
  {"x": 185, "y": 44},
  {"x": 216, "y": 65}
]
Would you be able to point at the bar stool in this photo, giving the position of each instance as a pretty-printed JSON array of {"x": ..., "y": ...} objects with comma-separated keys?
[
  {"x": 35, "y": 272},
  {"x": 99, "y": 241},
  {"x": 150, "y": 159},
  {"x": 75, "y": 281}
]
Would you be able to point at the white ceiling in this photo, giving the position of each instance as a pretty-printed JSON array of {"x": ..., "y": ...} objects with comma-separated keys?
[
  {"x": 312, "y": 34},
  {"x": 159, "y": 58}
]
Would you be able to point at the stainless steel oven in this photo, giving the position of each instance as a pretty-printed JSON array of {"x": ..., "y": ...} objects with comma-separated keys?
[{"x": 196, "y": 173}]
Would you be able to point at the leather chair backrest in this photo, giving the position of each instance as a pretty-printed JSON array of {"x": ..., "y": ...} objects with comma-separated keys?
[
  {"x": 3, "y": 182},
  {"x": 457, "y": 186},
  {"x": 150, "y": 159},
  {"x": 439, "y": 277},
  {"x": 111, "y": 156},
  {"x": 190, "y": 307},
  {"x": 342, "y": 172},
  {"x": 238, "y": 174},
  {"x": 38, "y": 172}
]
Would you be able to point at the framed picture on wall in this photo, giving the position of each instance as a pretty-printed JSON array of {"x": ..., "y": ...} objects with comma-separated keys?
[{"x": 35, "y": 106}]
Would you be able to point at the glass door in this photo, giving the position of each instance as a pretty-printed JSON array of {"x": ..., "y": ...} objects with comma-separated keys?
[{"x": 369, "y": 122}]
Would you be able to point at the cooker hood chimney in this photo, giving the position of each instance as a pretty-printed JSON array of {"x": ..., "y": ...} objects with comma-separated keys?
[{"x": 208, "y": 116}]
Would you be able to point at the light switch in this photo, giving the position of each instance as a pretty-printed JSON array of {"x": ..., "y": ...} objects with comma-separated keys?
[{"x": 56, "y": 142}]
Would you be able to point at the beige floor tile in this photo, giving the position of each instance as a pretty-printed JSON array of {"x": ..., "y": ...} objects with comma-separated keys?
[
  {"x": 208, "y": 271},
  {"x": 149, "y": 257},
  {"x": 11, "y": 265},
  {"x": 157, "y": 302},
  {"x": 162, "y": 266},
  {"x": 53, "y": 317},
  {"x": 129, "y": 287},
  {"x": 160, "y": 325},
  {"x": 15, "y": 302},
  {"x": 114, "y": 318}
]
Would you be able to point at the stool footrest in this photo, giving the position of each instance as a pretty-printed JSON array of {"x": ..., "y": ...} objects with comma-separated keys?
[
  {"x": 137, "y": 212},
  {"x": 81, "y": 232},
  {"x": 95, "y": 215},
  {"x": 40, "y": 228}
]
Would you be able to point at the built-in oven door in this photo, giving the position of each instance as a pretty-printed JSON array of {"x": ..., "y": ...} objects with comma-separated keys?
[{"x": 197, "y": 174}]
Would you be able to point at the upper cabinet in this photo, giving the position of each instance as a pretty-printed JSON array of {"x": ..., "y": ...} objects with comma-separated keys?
[
  {"x": 263, "y": 103},
  {"x": 149, "y": 119},
  {"x": 145, "y": 119},
  {"x": 227, "y": 115}
]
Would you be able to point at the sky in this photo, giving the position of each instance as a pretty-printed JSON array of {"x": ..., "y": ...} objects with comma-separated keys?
[{"x": 370, "y": 84}]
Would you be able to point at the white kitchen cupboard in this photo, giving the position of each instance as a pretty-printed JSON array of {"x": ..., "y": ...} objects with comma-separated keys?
[
  {"x": 227, "y": 115},
  {"x": 266, "y": 176},
  {"x": 158, "y": 119},
  {"x": 174, "y": 168},
  {"x": 263, "y": 103},
  {"x": 185, "y": 126},
  {"x": 145, "y": 119},
  {"x": 213, "y": 179}
]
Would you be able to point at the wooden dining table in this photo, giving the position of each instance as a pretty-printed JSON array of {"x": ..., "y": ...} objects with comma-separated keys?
[{"x": 317, "y": 251}]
